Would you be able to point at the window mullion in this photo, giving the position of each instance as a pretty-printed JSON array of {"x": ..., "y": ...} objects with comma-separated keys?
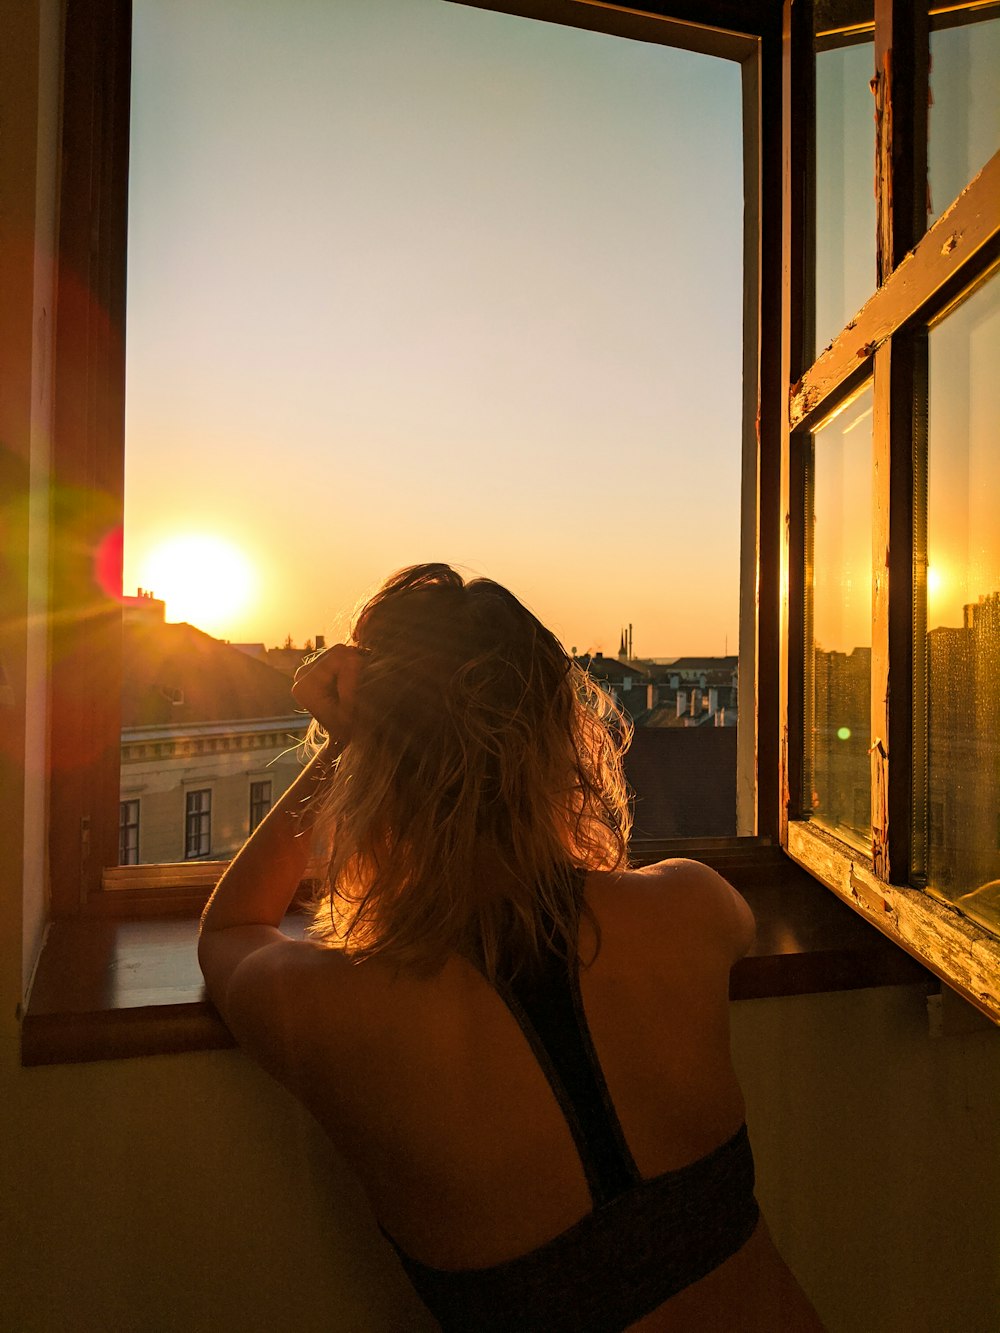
[
  {"x": 893, "y": 432},
  {"x": 796, "y": 328},
  {"x": 900, "y": 86}
]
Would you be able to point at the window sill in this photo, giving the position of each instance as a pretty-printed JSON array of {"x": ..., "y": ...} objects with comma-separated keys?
[
  {"x": 957, "y": 949},
  {"x": 109, "y": 989}
]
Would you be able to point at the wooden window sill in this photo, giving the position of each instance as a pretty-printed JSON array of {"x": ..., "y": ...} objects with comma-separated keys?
[
  {"x": 961, "y": 951},
  {"x": 108, "y": 989}
]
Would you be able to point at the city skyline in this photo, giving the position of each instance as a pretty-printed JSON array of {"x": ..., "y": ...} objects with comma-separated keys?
[{"x": 308, "y": 641}]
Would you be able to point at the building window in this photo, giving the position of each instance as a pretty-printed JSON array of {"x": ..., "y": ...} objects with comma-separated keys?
[
  {"x": 128, "y": 833},
  {"x": 198, "y": 824},
  {"x": 260, "y": 802}
]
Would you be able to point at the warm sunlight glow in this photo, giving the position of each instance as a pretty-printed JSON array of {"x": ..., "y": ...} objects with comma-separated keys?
[
  {"x": 935, "y": 581},
  {"x": 203, "y": 579},
  {"x": 440, "y": 356}
]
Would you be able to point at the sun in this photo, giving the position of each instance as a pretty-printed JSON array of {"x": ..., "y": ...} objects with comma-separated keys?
[{"x": 204, "y": 579}]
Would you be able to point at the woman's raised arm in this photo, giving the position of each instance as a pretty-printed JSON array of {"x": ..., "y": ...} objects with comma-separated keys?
[{"x": 245, "y": 911}]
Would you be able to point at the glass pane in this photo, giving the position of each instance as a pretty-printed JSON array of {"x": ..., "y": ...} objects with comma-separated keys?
[
  {"x": 838, "y": 623},
  {"x": 962, "y": 813},
  {"x": 964, "y": 127},
  {"x": 844, "y": 197}
]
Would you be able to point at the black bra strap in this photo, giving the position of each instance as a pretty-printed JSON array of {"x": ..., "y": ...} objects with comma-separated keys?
[{"x": 548, "y": 1007}]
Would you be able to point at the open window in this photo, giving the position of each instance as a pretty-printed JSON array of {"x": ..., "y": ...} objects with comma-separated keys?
[
  {"x": 172, "y": 839},
  {"x": 892, "y": 706},
  {"x": 805, "y": 421},
  {"x": 866, "y": 410}
]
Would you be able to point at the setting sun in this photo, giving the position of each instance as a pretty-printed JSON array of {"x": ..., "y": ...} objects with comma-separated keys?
[{"x": 204, "y": 579}]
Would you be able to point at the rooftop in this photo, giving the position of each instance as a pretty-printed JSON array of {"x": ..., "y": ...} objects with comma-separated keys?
[{"x": 176, "y": 675}]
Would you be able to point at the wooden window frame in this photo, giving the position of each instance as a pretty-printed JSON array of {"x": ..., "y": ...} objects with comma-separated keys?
[
  {"x": 920, "y": 274},
  {"x": 88, "y": 450},
  {"x": 85, "y": 672}
]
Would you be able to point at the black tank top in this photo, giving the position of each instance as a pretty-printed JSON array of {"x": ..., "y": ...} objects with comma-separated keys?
[{"x": 643, "y": 1241}]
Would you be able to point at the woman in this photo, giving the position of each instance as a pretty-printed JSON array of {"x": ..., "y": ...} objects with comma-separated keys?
[{"x": 521, "y": 1045}]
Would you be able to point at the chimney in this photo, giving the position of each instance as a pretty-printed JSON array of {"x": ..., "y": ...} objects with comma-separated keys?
[
  {"x": 143, "y": 608},
  {"x": 320, "y": 642}
]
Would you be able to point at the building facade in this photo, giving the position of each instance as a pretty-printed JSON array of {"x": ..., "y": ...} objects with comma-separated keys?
[{"x": 210, "y": 739}]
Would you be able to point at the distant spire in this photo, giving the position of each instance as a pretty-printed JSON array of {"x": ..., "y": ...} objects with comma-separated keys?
[{"x": 623, "y": 647}]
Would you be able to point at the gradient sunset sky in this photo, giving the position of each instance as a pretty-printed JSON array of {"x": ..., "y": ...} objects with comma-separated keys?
[{"x": 412, "y": 281}]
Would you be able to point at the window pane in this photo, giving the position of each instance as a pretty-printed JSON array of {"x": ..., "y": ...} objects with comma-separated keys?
[
  {"x": 964, "y": 129},
  {"x": 260, "y": 802},
  {"x": 844, "y": 199},
  {"x": 198, "y": 824},
  {"x": 838, "y": 624},
  {"x": 960, "y": 800}
]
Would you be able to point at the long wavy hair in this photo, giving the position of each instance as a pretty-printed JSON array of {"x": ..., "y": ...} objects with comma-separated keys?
[{"x": 483, "y": 772}]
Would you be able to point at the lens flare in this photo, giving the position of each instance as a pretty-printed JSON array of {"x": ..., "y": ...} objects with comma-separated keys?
[{"x": 108, "y": 563}]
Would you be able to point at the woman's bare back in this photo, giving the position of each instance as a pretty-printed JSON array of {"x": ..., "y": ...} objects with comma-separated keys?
[{"x": 430, "y": 1088}]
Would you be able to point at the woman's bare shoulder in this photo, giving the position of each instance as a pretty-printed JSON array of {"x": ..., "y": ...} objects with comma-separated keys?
[
  {"x": 686, "y": 894},
  {"x": 275, "y": 995}
]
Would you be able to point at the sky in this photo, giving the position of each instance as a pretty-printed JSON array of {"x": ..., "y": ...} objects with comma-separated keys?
[{"x": 413, "y": 281}]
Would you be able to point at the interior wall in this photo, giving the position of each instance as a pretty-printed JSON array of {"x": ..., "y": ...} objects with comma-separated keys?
[
  {"x": 878, "y": 1147},
  {"x": 190, "y": 1192},
  {"x": 183, "y": 1193}
]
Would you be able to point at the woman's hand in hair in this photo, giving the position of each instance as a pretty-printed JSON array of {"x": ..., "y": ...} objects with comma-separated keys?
[{"x": 326, "y": 686}]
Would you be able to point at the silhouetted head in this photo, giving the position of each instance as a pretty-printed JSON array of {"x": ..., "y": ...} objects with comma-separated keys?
[{"x": 483, "y": 766}]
